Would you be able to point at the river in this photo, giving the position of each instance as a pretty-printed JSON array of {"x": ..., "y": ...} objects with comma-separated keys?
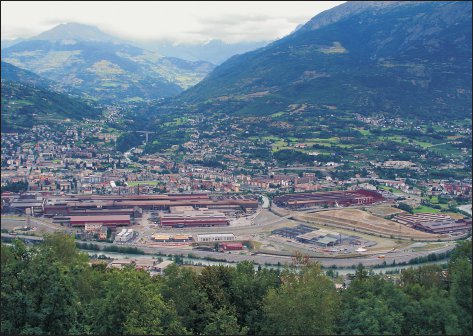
[{"x": 204, "y": 262}]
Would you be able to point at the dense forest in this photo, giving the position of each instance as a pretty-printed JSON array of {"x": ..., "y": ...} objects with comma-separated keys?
[{"x": 51, "y": 289}]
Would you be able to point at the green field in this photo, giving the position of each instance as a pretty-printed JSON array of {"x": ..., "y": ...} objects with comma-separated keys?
[
  {"x": 394, "y": 190},
  {"x": 176, "y": 122},
  {"x": 425, "y": 209},
  {"x": 364, "y": 132},
  {"x": 135, "y": 183}
]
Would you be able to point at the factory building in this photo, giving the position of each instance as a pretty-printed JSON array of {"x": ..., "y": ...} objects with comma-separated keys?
[
  {"x": 182, "y": 238},
  {"x": 194, "y": 218},
  {"x": 110, "y": 221},
  {"x": 28, "y": 206},
  {"x": 434, "y": 223},
  {"x": 162, "y": 238},
  {"x": 165, "y": 238}
]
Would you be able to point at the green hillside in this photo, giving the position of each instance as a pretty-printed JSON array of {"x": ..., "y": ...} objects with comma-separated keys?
[
  {"x": 398, "y": 59},
  {"x": 28, "y": 101}
]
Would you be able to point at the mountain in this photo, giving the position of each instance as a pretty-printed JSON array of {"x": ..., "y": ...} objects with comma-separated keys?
[
  {"x": 102, "y": 66},
  {"x": 394, "y": 58},
  {"x": 28, "y": 99},
  {"x": 214, "y": 51}
]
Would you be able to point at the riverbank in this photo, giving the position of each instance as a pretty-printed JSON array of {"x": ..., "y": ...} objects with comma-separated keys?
[{"x": 192, "y": 261}]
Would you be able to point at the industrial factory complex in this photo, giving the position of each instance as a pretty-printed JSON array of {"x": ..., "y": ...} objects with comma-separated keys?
[
  {"x": 328, "y": 199},
  {"x": 334, "y": 221},
  {"x": 181, "y": 210}
]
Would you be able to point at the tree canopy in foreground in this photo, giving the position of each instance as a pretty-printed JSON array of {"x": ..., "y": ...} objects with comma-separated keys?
[{"x": 51, "y": 289}]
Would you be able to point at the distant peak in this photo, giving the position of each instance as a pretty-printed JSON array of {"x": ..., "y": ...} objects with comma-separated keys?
[
  {"x": 75, "y": 31},
  {"x": 76, "y": 24}
]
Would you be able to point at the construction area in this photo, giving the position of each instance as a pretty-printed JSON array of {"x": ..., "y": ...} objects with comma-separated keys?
[
  {"x": 317, "y": 239},
  {"x": 310, "y": 235},
  {"x": 358, "y": 220}
]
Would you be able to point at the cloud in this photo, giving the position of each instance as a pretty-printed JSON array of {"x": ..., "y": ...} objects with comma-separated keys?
[
  {"x": 13, "y": 32},
  {"x": 235, "y": 19},
  {"x": 238, "y": 27},
  {"x": 176, "y": 21}
]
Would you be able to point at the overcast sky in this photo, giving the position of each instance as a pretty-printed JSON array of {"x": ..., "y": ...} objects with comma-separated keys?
[{"x": 230, "y": 21}]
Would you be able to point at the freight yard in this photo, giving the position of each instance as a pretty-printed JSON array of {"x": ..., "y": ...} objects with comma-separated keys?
[{"x": 326, "y": 224}]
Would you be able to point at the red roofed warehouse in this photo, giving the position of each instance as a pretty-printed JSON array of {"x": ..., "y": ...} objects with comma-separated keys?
[
  {"x": 231, "y": 246},
  {"x": 110, "y": 221}
]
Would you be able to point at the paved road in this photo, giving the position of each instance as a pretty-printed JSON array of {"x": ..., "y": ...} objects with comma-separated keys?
[
  {"x": 270, "y": 220},
  {"x": 401, "y": 256},
  {"x": 40, "y": 224}
]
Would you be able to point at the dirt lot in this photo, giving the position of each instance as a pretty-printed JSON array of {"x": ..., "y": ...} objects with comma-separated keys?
[
  {"x": 383, "y": 211},
  {"x": 365, "y": 222}
]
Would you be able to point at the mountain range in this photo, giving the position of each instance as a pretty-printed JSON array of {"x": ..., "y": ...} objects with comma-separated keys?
[
  {"x": 104, "y": 67},
  {"x": 396, "y": 59},
  {"x": 410, "y": 59},
  {"x": 213, "y": 51}
]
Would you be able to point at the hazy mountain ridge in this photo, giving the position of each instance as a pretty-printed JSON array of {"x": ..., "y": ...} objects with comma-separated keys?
[
  {"x": 214, "y": 51},
  {"x": 76, "y": 32},
  {"x": 106, "y": 69}
]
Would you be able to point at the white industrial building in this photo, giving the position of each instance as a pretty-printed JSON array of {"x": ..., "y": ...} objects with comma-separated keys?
[
  {"x": 215, "y": 237},
  {"x": 124, "y": 235}
]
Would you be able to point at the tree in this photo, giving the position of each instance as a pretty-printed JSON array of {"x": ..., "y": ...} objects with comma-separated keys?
[
  {"x": 429, "y": 312},
  {"x": 429, "y": 309},
  {"x": 38, "y": 295},
  {"x": 460, "y": 269},
  {"x": 16, "y": 187},
  {"x": 224, "y": 322},
  {"x": 62, "y": 248},
  {"x": 181, "y": 286},
  {"x": 215, "y": 282},
  {"x": 427, "y": 277},
  {"x": 131, "y": 303},
  {"x": 247, "y": 291},
  {"x": 306, "y": 303},
  {"x": 406, "y": 207},
  {"x": 370, "y": 306},
  {"x": 369, "y": 315}
]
